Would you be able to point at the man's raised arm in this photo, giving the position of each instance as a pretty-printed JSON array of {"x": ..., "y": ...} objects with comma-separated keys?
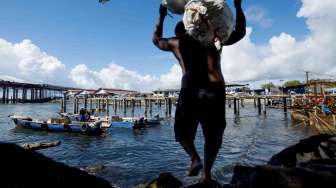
[
  {"x": 161, "y": 43},
  {"x": 240, "y": 29}
]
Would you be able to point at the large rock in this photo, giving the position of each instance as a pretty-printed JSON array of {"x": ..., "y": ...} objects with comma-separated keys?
[
  {"x": 281, "y": 177},
  {"x": 310, "y": 163},
  {"x": 320, "y": 147},
  {"x": 23, "y": 168},
  {"x": 165, "y": 180}
]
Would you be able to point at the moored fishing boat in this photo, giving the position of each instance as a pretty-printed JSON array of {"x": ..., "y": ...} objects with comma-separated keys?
[
  {"x": 135, "y": 122},
  {"x": 77, "y": 118},
  {"x": 59, "y": 125}
]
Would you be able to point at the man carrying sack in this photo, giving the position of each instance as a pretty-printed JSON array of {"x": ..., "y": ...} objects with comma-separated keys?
[{"x": 202, "y": 95}]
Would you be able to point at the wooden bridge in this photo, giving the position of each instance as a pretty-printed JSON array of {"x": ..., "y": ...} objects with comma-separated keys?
[{"x": 15, "y": 92}]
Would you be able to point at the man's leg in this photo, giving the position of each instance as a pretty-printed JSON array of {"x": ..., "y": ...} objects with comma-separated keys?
[
  {"x": 211, "y": 150},
  {"x": 213, "y": 126},
  {"x": 196, "y": 163}
]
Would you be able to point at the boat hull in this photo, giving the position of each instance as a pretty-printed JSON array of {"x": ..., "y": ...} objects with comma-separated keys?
[
  {"x": 82, "y": 128},
  {"x": 121, "y": 124}
]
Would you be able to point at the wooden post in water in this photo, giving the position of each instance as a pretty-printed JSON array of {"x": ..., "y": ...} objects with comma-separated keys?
[
  {"x": 166, "y": 106},
  {"x": 238, "y": 107},
  {"x": 133, "y": 106},
  {"x": 235, "y": 106},
  {"x": 285, "y": 104},
  {"x": 4, "y": 94},
  {"x": 90, "y": 104},
  {"x": 150, "y": 106},
  {"x": 125, "y": 103},
  {"x": 85, "y": 102},
  {"x": 77, "y": 105},
  {"x": 259, "y": 105},
  {"x": 74, "y": 105},
  {"x": 61, "y": 102},
  {"x": 170, "y": 103},
  {"x": 255, "y": 102},
  {"x": 145, "y": 101},
  {"x": 107, "y": 107},
  {"x": 64, "y": 102},
  {"x": 264, "y": 106},
  {"x": 242, "y": 103},
  {"x": 229, "y": 101},
  {"x": 13, "y": 95}
]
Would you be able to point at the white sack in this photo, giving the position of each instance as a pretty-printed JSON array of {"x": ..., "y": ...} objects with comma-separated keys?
[
  {"x": 206, "y": 20},
  {"x": 175, "y": 6}
]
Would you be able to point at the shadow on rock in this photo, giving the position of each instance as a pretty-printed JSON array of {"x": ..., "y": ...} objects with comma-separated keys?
[{"x": 24, "y": 168}]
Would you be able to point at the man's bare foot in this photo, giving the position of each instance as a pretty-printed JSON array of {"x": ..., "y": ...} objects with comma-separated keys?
[
  {"x": 206, "y": 178},
  {"x": 195, "y": 168}
]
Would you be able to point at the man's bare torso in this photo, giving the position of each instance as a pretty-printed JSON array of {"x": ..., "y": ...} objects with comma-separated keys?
[{"x": 200, "y": 65}]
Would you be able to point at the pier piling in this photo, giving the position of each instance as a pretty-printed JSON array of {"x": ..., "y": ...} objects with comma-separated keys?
[
  {"x": 285, "y": 104},
  {"x": 65, "y": 103},
  {"x": 264, "y": 107},
  {"x": 259, "y": 105},
  {"x": 235, "y": 105}
]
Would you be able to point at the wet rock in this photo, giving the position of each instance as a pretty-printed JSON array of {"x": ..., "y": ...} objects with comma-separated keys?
[
  {"x": 94, "y": 169},
  {"x": 281, "y": 177},
  {"x": 165, "y": 180},
  {"x": 310, "y": 163},
  {"x": 212, "y": 184},
  {"x": 314, "y": 148},
  {"x": 24, "y": 168}
]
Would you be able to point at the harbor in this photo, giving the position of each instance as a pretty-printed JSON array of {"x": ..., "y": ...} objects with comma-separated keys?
[
  {"x": 258, "y": 126},
  {"x": 137, "y": 157},
  {"x": 168, "y": 94}
]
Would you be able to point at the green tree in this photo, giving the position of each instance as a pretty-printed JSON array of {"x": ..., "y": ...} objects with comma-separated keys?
[
  {"x": 268, "y": 85},
  {"x": 292, "y": 83}
]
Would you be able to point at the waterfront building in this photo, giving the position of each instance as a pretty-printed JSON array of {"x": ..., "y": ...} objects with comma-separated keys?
[{"x": 166, "y": 93}]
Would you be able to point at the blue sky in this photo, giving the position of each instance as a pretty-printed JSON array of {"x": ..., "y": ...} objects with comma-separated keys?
[
  {"x": 85, "y": 32},
  {"x": 85, "y": 44}
]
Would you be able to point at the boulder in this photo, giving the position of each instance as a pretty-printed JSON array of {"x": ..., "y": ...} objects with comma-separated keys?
[
  {"x": 281, "y": 177},
  {"x": 165, "y": 180},
  {"x": 25, "y": 168},
  {"x": 320, "y": 147}
]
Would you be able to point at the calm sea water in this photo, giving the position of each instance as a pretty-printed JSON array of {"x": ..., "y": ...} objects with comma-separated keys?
[{"x": 132, "y": 158}]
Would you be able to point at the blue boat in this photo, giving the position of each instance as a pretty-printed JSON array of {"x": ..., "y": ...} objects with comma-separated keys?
[
  {"x": 135, "y": 122},
  {"x": 59, "y": 125}
]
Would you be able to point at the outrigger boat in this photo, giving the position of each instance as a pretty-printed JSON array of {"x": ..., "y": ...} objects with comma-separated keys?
[
  {"x": 135, "y": 122},
  {"x": 60, "y": 125},
  {"x": 77, "y": 118}
]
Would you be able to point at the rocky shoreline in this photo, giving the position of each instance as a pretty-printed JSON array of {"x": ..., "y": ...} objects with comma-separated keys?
[{"x": 310, "y": 163}]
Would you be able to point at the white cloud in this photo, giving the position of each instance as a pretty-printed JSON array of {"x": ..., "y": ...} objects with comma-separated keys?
[
  {"x": 259, "y": 15},
  {"x": 26, "y": 61},
  {"x": 284, "y": 57},
  {"x": 115, "y": 76}
]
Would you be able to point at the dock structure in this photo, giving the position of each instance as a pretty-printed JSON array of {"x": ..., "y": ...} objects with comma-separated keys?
[
  {"x": 122, "y": 101},
  {"x": 260, "y": 102},
  {"x": 121, "y": 104},
  {"x": 15, "y": 92}
]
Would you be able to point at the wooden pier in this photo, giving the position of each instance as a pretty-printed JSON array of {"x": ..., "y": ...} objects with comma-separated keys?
[
  {"x": 283, "y": 102},
  {"x": 104, "y": 104},
  {"x": 15, "y": 92},
  {"x": 126, "y": 104}
]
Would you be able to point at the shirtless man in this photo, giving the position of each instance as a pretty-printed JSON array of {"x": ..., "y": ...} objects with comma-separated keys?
[{"x": 202, "y": 96}]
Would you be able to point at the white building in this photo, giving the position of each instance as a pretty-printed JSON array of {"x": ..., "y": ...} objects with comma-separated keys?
[{"x": 166, "y": 93}]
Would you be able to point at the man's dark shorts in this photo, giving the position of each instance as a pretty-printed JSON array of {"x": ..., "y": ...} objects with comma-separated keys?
[{"x": 204, "y": 106}]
